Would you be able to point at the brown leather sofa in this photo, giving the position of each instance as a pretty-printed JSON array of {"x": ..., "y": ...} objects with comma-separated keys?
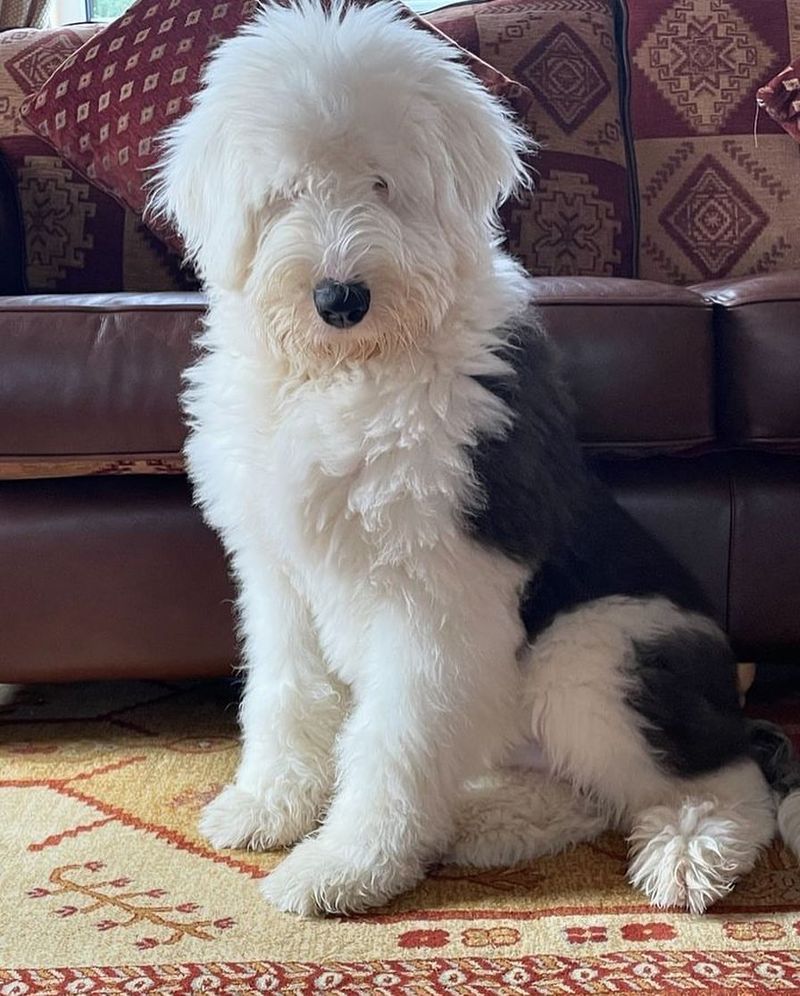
[{"x": 689, "y": 404}]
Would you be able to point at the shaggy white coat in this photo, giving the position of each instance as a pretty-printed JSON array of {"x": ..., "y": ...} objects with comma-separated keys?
[{"x": 383, "y": 686}]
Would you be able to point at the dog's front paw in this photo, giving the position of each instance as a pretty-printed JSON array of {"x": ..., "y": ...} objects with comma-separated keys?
[
  {"x": 318, "y": 878},
  {"x": 236, "y": 818}
]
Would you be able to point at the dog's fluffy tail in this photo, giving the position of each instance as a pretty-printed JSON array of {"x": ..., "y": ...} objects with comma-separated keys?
[{"x": 773, "y": 751}]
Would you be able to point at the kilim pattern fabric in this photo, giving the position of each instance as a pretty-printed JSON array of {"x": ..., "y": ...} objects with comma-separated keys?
[
  {"x": 77, "y": 237},
  {"x": 107, "y": 888},
  {"x": 579, "y": 219},
  {"x": 714, "y": 202},
  {"x": 24, "y": 13},
  {"x": 708, "y": 202}
]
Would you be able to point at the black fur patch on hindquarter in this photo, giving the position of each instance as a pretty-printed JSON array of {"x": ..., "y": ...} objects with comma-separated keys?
[{"x": 687, "y": 695}]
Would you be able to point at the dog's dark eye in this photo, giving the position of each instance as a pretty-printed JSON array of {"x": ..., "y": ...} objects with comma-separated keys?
[{"x": 380, "y": 185}]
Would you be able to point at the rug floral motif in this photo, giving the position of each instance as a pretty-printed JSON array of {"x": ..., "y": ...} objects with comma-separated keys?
[{"x": 108, "y": 888}]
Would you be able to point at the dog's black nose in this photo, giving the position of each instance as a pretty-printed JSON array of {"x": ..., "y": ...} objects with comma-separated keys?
[{"x": 341, "y": 305}]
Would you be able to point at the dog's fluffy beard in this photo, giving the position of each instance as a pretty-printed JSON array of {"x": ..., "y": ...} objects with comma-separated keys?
[
  {"x": 311, "y": 239},
  {"x": 371, "y": 156}
]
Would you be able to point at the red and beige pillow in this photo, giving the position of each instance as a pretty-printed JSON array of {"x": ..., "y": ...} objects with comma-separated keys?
[{"x": 104, "y": 107}]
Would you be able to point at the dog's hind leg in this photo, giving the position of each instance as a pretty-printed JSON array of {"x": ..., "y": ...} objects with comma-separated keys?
[
  {"x": 290, "y": 714},
  {"x": 513, "y": 815},
  {"x": 634, "y": 701}
]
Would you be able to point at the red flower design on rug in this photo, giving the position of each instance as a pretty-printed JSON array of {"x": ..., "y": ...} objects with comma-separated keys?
[
  {"x": 648, "y": 932},
  {"x": 586, "y": 935},
  {"x": 423, "y": 939}
]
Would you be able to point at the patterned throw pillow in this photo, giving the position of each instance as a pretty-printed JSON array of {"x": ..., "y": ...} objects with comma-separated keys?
[
  {"x": 105, "y": 105},
  {"x": 581, "y": 217},
  {"x": 714, "y": 203},
  {"x": 780, "y": 98},
  {"x": 77, "y": 238}
]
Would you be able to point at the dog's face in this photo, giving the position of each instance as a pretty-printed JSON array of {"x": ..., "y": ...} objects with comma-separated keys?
[{"x": 342, "y": 171}]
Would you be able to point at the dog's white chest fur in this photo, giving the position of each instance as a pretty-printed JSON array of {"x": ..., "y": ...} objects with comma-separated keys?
[
  {"x": 360, "y": 473},
  {"x": 374, "y": 479}
]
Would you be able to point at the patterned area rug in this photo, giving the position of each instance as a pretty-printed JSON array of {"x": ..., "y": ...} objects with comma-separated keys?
[{"x": 106, "y": 887}]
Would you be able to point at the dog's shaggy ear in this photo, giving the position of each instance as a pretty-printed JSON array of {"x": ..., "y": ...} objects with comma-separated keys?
[
  {"x": 199, "y": 186},
  {"x": 485, "y": 148}
]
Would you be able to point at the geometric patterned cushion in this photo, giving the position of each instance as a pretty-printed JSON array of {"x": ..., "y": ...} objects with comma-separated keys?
[
  {"x": 713, "y": 203},
  {"x": 780, "y": 98},
  {"x": 77, "y": 238},
  {"x": 581, "y": 217},
  {"x": 104, "y": 107}
]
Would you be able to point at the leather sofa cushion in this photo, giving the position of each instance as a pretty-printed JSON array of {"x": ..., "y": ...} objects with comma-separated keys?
[
  {"x": 136, "y": 550},
  {"x": 133, "y": 582},
  {"x": 89, "y": 383},
  {"x": 757, "y": 324},
  {"x": 638, "y": 356}
]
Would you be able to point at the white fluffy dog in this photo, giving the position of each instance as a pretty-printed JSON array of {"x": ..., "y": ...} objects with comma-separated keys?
[{"x": 457, "y": 647}]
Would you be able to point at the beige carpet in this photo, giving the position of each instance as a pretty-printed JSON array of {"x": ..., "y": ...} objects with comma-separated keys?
[{"x": 107, "y": 888}]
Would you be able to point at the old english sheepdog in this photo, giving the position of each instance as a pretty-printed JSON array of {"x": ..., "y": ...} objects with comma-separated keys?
[{"x": 457, "y": 646}]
